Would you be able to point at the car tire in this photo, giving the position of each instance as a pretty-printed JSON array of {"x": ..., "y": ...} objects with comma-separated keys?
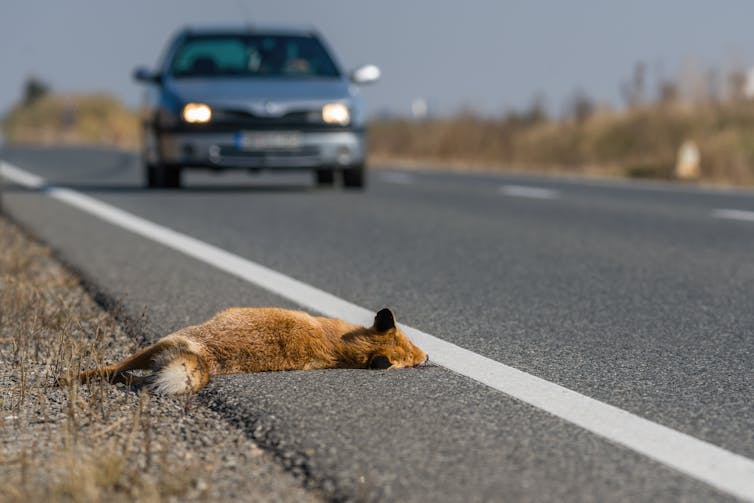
[
  {"x": 173, "y": 177},
  {"x": 354, "y": 178},
  {"x": 150, "y": 175},
  {"x": 163, "y": 176},
  {"x": 325, "y": 177}
]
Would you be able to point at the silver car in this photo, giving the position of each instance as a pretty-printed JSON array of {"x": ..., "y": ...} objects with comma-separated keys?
[{"x": 248, "y": 98}]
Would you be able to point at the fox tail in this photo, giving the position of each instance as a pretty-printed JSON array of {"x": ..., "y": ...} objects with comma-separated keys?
[{"x": 175, "y": 369}]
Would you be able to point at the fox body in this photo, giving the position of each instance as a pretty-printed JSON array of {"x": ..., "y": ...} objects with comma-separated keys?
[{"x": 258, "y": 340}]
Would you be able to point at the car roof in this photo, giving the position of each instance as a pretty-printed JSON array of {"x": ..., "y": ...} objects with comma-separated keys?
[{"x": 249, "y": 28}]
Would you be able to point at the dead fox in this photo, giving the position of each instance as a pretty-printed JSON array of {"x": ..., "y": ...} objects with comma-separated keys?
[{"x": 258, "y": 340}]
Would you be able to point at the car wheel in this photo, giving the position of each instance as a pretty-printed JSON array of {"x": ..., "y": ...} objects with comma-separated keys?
[
  {"x": 163, "y": 176},
  {"x": 325, "y": 177},
  {"x": 173, "y": 177},
  {"x": 354, "y": 178},
  {"x": 150, "y": 174}
]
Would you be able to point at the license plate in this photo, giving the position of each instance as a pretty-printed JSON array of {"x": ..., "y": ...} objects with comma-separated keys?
[{"x": 263, "y": 140}]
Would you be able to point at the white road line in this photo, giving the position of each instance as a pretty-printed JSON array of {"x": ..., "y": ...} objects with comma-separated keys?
[
  {"x": 525, "y": 191},
  {"x": 397, "y": 178},
  {"x": 747, "y": 216},
  {"x": 724, "y": 470}
]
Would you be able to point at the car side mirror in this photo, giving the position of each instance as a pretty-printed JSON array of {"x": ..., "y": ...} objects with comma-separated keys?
[
  {"x": 146, "y": 76},
  {"x": 366, "y": 74}
]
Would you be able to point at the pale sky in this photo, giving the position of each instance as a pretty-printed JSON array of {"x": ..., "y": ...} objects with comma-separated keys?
[{"x": 486, "y": 55}]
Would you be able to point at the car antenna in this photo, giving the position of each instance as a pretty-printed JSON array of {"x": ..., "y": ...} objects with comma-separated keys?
[{"x": 245, "y": 13}]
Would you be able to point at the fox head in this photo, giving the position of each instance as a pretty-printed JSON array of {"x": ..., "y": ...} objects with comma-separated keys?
[{"x": 391, "y": 348}]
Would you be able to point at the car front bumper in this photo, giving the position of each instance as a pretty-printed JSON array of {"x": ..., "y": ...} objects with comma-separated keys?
[{"x": 221, "y": 150}]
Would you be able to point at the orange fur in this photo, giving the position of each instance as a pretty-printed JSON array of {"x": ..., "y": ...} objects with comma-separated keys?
[{"x": 262, "y": 339}]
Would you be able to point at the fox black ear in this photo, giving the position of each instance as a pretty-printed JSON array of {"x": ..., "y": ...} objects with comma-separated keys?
[
  {"x": 384, "y": 320},
  {"x": 380, "y": 362}
]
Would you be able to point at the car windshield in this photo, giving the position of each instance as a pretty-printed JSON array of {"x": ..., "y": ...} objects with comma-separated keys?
[{"x": 252, "y": 56}]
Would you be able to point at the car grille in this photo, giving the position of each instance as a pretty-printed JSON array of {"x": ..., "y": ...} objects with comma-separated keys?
[
  {"x": 300, "y": 117},
  {"x": 298, "y": 120}
]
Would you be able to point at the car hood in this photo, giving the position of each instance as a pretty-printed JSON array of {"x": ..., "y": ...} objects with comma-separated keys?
[{"x": 234, "y": 91}]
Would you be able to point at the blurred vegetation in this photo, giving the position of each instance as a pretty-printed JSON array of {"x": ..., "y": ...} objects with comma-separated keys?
[
  {"x": 641, "y": 140},
  {"x": 639, "y": 143},
  {"x": 34, "y": 90},
  {"x": 45, "y": 118}
]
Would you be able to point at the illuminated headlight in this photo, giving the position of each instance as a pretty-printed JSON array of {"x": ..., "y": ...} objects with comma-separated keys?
[
  {"x": 197, "y": 113},
  {"x": 336, "y": 113}
]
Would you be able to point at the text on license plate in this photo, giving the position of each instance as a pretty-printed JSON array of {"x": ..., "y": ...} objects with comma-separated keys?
[{"x": 262, "y": 140}]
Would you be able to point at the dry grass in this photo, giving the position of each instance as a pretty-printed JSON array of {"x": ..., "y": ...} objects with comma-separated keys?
[
  {"x": 81, "y": 119},
  {"x": 639, "y": 143},
  {"x": 68, "y": 444},
  {"x": 102, "y": 442}
]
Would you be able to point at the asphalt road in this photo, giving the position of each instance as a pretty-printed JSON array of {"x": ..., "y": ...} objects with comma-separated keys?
[{"x": 636, "y": 295}]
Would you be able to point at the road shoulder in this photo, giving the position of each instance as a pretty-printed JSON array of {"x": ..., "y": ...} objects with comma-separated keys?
[{"x": 102, "y": 442}]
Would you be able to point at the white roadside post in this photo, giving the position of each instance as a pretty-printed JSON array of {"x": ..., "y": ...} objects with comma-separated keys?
[{"x": 687, "y": 166}]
